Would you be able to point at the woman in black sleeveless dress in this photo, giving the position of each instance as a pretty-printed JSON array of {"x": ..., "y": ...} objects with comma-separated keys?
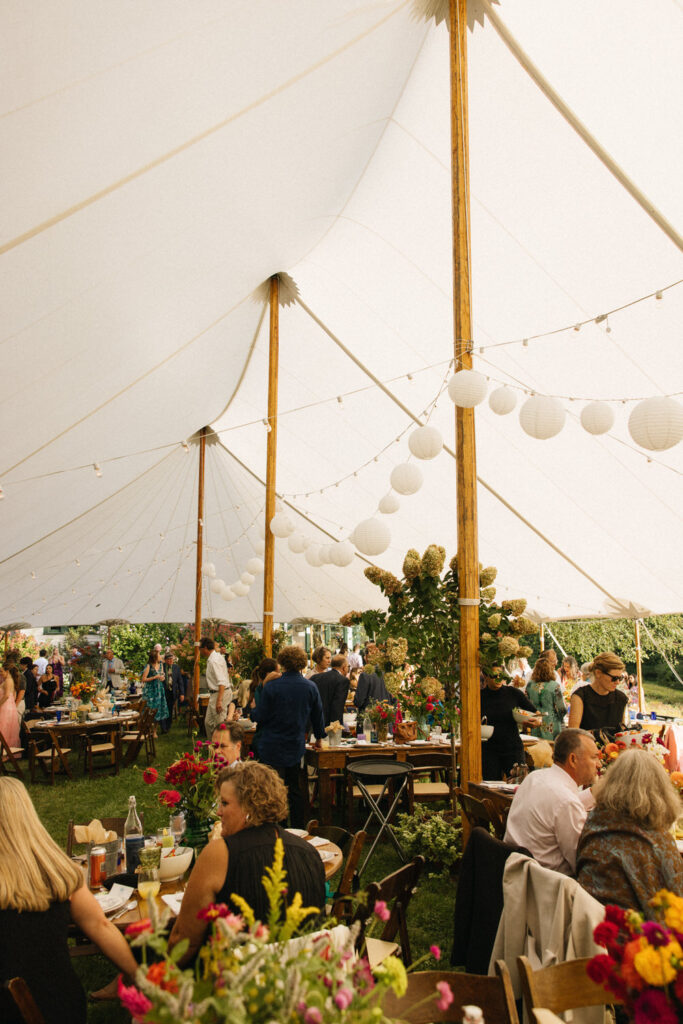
[
  {"x": 253, "y": 800},
  {"x": 599, "y": 705}
]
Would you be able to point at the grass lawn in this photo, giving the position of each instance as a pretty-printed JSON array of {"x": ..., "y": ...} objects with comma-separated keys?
[{"x": 430, "y": 915}]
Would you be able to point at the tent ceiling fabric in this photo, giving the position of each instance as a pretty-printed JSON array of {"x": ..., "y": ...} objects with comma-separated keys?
[{"x": 159, "y": 165}]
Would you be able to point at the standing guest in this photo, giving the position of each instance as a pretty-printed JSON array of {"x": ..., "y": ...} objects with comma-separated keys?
[
  {"x": 173, "y": 685},
  {"x": 550, "y": 655},
  {"x": 57, "y": 662},
  {"x": 322, "y": 659},
  {"x": 600, "y": 705},
  {"x": 370, "y": 688},
  {"x": 153, "y": 689},
  {"x": 41, "y": 893},
  {"x": 626, "y": 851},
  {"x": 333, "y": 687},
  {"x": 243, "y": 693},
  {"x": 31, "y": 681},
  {"x": 353, "y": 681},
  {"x": 548, "y": 811},
  {"x": 9, "y": 716},
  {"x": 19, "y": 689},
  {"x": 41, "y": 662},
  {"x": 47, "y": 685},
  {"x": 286, "y": 706},
  {"x": 504, "y": 748},
  {"x": 355, "y": 660},
  {"x": 112, "y": 671},
  {"x": 227, "y": 741},
  {"x": 220, "y": 706},
  {"x": 519, "y": 671},
  {"x": 545, "y": 693},
  {"x": 570, "y": 677},
  {"x": 267, "y": 669}
]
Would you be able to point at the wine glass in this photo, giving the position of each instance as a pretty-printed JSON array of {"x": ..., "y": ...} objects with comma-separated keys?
[{"x": 148, "y": 882}]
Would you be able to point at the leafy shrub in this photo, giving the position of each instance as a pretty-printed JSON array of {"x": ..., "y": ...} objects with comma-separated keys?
[{"x": 437, "y": 835}]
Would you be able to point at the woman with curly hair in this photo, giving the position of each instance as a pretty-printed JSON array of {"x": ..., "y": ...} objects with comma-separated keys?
[
  {"x": 545, "y": 693},
  {"x": 252, "y": 801}
]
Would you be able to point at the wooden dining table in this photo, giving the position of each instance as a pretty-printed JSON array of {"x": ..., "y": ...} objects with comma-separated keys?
[{"x": 71, "y": 730}]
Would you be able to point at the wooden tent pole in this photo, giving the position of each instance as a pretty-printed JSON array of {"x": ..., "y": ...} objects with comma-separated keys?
[
  {"x": 639, "y": 667},
  {"x": 542, "y": 637},
  {"x": 198, "y": 578},
  {"x": 271, "y": 459},
  {"x": 466, "y": 460}
]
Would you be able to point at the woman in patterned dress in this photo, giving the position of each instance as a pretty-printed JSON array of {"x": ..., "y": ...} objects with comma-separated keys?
[{"x": 153, "y": 687}]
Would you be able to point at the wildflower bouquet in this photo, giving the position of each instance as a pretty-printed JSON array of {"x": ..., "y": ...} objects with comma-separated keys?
[
  {"x": 256, "y": 972},
  {"x": 193, "y": 781},
  {"x": 643, "y": 965},
  {"x": 84, "y": 690}
]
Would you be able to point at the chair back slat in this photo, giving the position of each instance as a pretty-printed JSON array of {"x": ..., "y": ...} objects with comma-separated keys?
[
  {"x": 493, "y": 994},
  {"x": 560, "y": 987},
  {"x": 25, "y": 1003}
]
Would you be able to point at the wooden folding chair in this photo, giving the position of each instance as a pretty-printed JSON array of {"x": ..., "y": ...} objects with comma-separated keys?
[
  {"x": 97, "y": 746},
  {"x": 351, "y": 846},
  {"x": 24, "y": 1001},
  {"x": 480, "y": 813},
  {"x": 397, "y": 890},
  {"x": 439, "y": 781},
  {"x": 143, "y": 733},
  {"x": 50, "y": 759},
  {"x": 493, "y": 994},
  {"x": 9, "y": 757},
  {"x": 560, "y": 987}
]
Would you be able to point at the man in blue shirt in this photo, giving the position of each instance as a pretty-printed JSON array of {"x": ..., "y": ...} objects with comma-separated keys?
[{"x": 286, "y": 707}]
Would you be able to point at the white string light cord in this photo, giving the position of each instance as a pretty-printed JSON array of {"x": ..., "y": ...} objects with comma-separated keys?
[{"x": 660, "y": 651}]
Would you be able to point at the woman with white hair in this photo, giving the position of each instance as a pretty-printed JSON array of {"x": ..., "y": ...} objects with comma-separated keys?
[
  {"x": 626, "y": 852},
  {"x": 41, "y": 892}
]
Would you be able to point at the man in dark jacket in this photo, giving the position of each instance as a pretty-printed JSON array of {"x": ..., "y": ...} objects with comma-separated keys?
[
  {"x": 31, "y": 680},
  {"x": 333, "y": 686},
  {"x": 370, "y": 688}
]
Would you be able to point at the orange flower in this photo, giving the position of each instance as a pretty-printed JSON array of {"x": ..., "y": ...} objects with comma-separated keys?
[
  {"x": 156, "y": 974},
  {"x": 628, "y": 970}
]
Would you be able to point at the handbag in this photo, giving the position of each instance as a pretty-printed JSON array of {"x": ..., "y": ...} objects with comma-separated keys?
[{"x": 404, "y": 731}]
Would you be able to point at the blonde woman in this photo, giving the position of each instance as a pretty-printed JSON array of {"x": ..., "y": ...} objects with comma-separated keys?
[
  {"x": 599, "y": 704},
  {"x": 41, "y": 892},
  {"x": 626, "y": 852}
]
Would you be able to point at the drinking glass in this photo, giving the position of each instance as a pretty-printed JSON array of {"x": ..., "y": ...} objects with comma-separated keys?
[
  {"x": 148, "y": 881},
  {"x": 177, "y": 826}
]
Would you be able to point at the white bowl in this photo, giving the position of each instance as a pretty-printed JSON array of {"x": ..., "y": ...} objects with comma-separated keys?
[
  {"x": 522, "y": 716},
  {"x": 94, "y": 715},
  {"x": 486, "y": 732},
  {"x": 174, "y": 867}
]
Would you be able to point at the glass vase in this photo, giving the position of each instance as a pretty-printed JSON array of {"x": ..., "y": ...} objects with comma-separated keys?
[{"x": 197, "y": 832}]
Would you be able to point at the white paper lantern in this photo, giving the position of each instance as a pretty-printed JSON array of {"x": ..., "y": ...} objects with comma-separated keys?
[
  {"x": 312, "y": 555},
  {"x": 425, "y": 442},
  {"x": 247, "y": 578},
  {"x": 260, "y": 547},
  {"x": 597, "y": 417},
  {"x": 217, "y": 586},
  {"x": 542, "y": 417},
  {"x": 656, "y": 423},
  {"x": 255, "y": 566},
  {"x": 325, "y": 554},
  {"x": 372, "y": 536},
  {"x": 389, "y": 504},
  {"x": 467, "y": 388},
  {"x": 241, "y": 589},
  {"x": 502, "y": 401},
  {"x": 209, "y": 570},
  {"x": 342, "y": 553},
  {"x": 406, "y": 479},
  {"x": 227, "y": 594},
  {"x": 281, "y": 525},
  {"x": 298, "y": 543}
]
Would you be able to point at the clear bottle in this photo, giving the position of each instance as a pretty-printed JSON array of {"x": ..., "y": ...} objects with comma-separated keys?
[{"x": 132, "y": 835}]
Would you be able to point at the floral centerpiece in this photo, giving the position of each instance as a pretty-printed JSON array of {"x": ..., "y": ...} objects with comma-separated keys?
[
  {"x": 84, "y": 690},
  {"x": 258, "y": 973},
  {"x": 643, "y": 965},
  {"x": 193, "y": 780},
  {"x": 380, "y": 713},
  {"x": 334, "y": 733}
]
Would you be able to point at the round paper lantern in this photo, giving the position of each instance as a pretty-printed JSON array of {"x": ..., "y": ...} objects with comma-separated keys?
[
  {"x": 406, "y": 478},
  {"x": 255, "y": 566},
  {"x": 467, "y": 388},
  {"x": 241, "y": 589},
  {"x": 597, "y": 417},
  {"x": 281, "y": 525},
  {"x": 247, "y": 578},
  {"x": 542, "y": 417},
  {"x": 209, "y": 570},
  {"x": 312, "y": 555},
  {"x": 298, "y": 543},
  {"x": 227, "y": 594},
  {"x": 502, "y": 401},
  {"x": 425, "y": 442},
  {"x": 656, "y": 423},
  {"x": 260, "y": 547},
  {"x": 389, "y": 504},
  {"x": 342, "y": 553},
  {"x": 372, "y": 536},
  {"x": 217, "y": 586},
  {"x": 325, "y": 554}
]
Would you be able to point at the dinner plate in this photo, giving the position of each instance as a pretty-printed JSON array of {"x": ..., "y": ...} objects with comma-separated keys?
[
  {"x": 301, "y": 832},
  {"x": 415, "y": 743},
  {"x": 110, "y": 903},
  {"x": 326, "y": 855}
]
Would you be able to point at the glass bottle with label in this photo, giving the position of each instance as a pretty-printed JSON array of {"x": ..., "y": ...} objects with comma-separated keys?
[{"x": 132, "y": 835}]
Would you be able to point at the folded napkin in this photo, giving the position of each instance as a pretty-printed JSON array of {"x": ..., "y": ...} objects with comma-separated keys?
[
  {"x": 173, "y": 902},
  {"x": 93, "y": 833},
  {"x": 318, "y": 841}
]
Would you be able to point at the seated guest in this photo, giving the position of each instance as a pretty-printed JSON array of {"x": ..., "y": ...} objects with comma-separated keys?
[
  {"x": 504, "y": 748},
  {"x": 333, "y": 687},
  {"x": 626, "y": 853},
  {"x": 227, "y": 741},
  {"x": 47, "y": 687},
  {"x": 252, "y": 801},
  {"x": 548, "y": 811},
  {"x": 599, "y": 704},
  {"x": 41, "y": 893}
]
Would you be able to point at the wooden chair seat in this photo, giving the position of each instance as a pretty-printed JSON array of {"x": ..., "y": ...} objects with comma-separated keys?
[
  {"x": 10, "y": 756},
  {"x": 437, "y": 790},
  {"x": 372, "y": 790},
  {"x": 100, "y": 748},
  {"x": 105, "y": 745},
  {"x": 47, "y": 754},
  {"x": 493, "y": 994}
]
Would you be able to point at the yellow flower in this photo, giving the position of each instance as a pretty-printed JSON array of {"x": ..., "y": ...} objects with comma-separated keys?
[
  {"x": 654, "y": 963},
  {"x": 673, "y": 908},
  {"x": 394, "y": 971}
]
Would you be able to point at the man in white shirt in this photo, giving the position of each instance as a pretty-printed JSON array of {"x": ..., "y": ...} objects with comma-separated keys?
[
  {"x": 220, "y": 690},
  {"x": 354, "y": 659},
  {"x": 548, "y": 810},
  {"x": 41, "y": 662}
]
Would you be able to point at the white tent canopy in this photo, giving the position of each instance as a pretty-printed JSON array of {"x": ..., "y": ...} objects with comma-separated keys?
[{"x": 159, "y": 163}]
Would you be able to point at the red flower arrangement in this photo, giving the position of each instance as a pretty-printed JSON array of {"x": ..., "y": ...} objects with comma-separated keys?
[{"x": 193, "y": 780}]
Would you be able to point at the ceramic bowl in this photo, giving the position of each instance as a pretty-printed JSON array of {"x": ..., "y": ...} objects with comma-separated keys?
[{"x": 174, "y": 867}]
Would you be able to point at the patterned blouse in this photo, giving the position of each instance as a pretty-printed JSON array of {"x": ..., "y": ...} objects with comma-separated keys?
[{"x": 619, "y": 862}]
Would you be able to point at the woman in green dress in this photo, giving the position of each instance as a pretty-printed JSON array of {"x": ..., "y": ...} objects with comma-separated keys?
[{"x": 545, "y": 693}]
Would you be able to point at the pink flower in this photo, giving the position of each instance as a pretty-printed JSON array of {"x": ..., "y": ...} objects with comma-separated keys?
[
  {"x": 133, "y": 1000},
  {"x": 261, "y": 932},
  {"x": 313, "y": 1016},
  {"x": 382, "y": 910},
  {"x": 435, "y": 951},
  {"x": 150, "y": 776},
  {"x": 446, "y": 995},
  {"x": 138, "y": 927},
  {"x": 343, "y": 998},
  {"x": 652, "y": 1005}
]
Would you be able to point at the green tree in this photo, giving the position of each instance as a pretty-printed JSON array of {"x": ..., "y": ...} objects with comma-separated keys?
[{"x": 133, "y": 642}]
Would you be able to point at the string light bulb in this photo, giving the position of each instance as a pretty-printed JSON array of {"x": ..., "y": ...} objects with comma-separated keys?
[
  {"x": 659, "y": 296},
  {"x": 185, "y": 446},
  {"x": 98, "y": 469}
]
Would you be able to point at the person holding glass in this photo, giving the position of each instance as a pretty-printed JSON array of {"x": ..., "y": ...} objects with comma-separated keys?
[{"x": 153, "y": 688}]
